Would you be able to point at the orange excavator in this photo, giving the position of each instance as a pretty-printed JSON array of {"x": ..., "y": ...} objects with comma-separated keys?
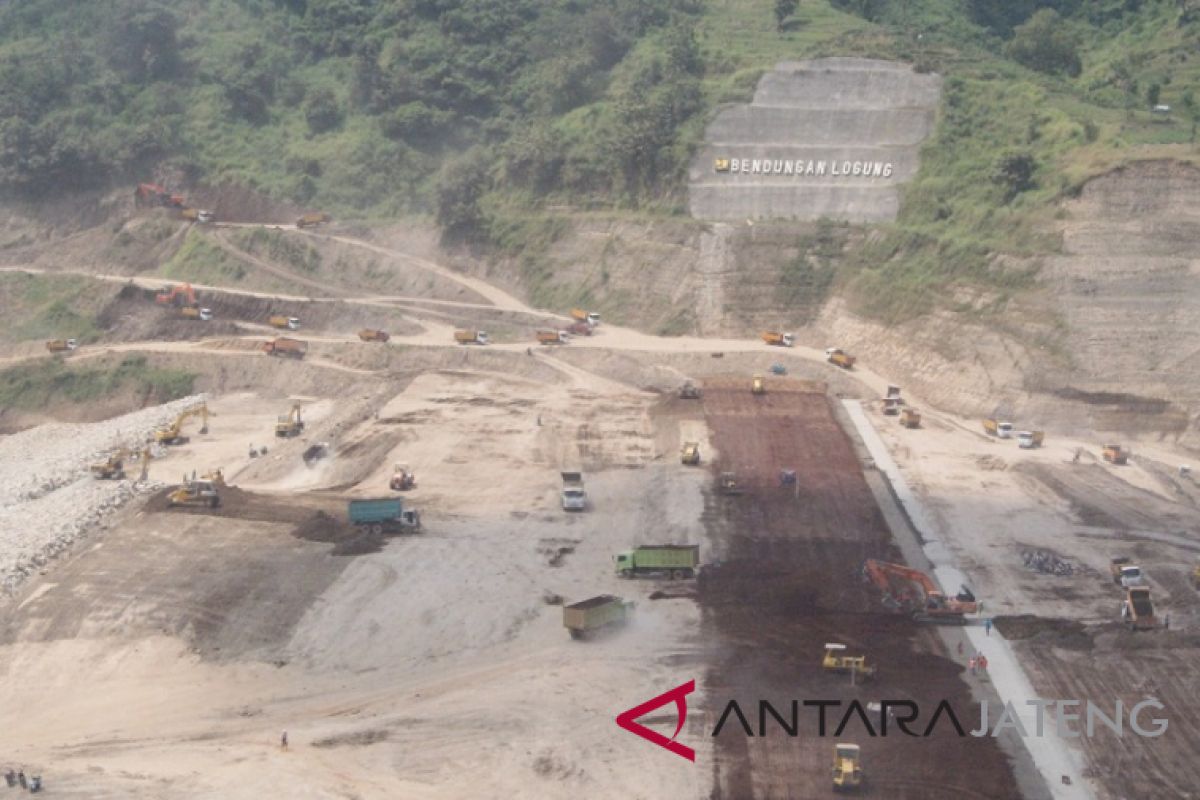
[
  {"x": 910, "y": 590},
  {"x": 151, "y": 194},
  {"x": 180, "y": 294}
]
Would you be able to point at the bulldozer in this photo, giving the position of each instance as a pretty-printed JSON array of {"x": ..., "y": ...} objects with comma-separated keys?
[
  {"x": 758, "y": 385},
  {"x": 836, "y": 660},
  {"x": 917, "y": 594},
  {"x": 290, "y": 424},
  {"x": 690, "y": 454},
  {"x": 173, "y": 433},
  {"x": 216, "y": 477},
  {"x": 195, "y": 493},
  {"x": 403, "y": 478},
  {"x": 847, "y": 767},
  {"x": 689, "y": 391}
]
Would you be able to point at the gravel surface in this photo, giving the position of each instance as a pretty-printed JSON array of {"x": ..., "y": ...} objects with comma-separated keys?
[{"x": 48, "y": 497}]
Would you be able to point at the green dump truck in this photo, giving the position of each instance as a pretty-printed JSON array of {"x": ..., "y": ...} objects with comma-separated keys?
[
  {"x": 385, "y": 514},
  {"x": 675, "y": 561},
  {"x": 589, "y": 617}
]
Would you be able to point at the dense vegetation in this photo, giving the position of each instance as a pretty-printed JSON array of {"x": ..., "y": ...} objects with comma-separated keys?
[
  {"x": 501, "y": 116},
  {"x": 383, "y": 107},
  {"x": 36, "y": 385}
]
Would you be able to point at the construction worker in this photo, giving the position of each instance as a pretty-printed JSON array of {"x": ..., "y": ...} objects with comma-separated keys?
[
  {"x": 982, "y": 663},
  {"x": 987, "y": 626},
  {"x": 960, "y": 649},
  {"x": 283, "y": 741},
  {"x": 972, "y": 662}
]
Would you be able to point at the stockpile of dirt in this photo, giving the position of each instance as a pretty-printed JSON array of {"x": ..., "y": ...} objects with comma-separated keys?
[
  {"x": 1064, "y": 633},
  {"x": 347, "y": 539},
  {"x": 787, "y": 581}
]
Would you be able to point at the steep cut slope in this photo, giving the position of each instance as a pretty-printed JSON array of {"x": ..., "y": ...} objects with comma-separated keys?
[{"x": 831, "y": 137}]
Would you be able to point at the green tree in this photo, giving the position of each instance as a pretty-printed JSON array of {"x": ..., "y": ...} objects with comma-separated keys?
[
  {"x": 1014, "y": 173},
  {"x": 1152, "y": 94},
  {"x": 460, "y": 186},
  {"x": 783, "y": 10},
  {"x": 1047, "y": 44},
  {"x": 321, "y": 110}
]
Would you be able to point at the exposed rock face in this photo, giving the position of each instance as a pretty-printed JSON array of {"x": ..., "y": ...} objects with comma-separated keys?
[{"x": 832, "y": 137}]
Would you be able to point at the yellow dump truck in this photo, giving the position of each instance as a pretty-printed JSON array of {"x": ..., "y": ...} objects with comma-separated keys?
[
  {"x": 473, "y": 337},
  {"x": 840, "y": 358},
  {"x": 595, "y": 615},
  {"x": 373, "y": 335},
  {"x": 289, "y": 348},
  {"x": 910, "y": 418},
  {"x": 590, "y": 317},
  {"x": 192, "y": 312},
  {"x": 552, "y": 337},
  {"x": 994, "y": 427},
  {"x": 778, "y": 338},
  {"x": 1115, "y": 454},
  {"x": 286, "y": 323},
  {"x": 690, "y": 453},
  {"x": 61, "y": 345},
  {"x": 312, "y": 219}
]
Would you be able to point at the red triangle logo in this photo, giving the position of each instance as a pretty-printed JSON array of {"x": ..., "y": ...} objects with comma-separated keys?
[{"x": 626, "y": 719}]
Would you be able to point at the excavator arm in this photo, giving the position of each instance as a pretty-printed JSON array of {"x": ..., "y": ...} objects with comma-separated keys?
[{"x": 931, "y": 602}]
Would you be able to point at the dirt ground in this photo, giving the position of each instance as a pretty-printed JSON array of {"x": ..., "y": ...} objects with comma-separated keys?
[{"x": 788, "y": 583}]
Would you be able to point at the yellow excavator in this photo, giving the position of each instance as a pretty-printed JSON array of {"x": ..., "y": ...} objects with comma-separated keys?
[
  {"x": 113, "y": 467},
  {"x": 173, "y": 433},
  {"x": 289, "y": 424}
]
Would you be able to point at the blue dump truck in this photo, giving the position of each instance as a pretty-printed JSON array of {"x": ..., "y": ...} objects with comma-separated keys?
[{"x": 384, "y": 515}]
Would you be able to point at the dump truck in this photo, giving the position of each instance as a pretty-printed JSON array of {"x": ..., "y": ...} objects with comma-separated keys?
[
  {"x": 727, "y": 483},
  {"x": 288, "y": 348},
  {"x": 596, "y": 614},
  {"x": 383, "y": 515},
  {"x": 553, "y": 337},
  {"x": 471, "y": 337},
  {"x": 1125, "y": 573},
  {"x": 590, "y": 317},
  {"x": 689, "y": 454},
  {"x": 289, "y": 424},
  {"x": 1137, "y": 610},
  {"x": 997, "y": 428},
  {"x": 580, "y": 328},
  {"x": 195, "y": 493},
  {"x": 840, "y": 358},
  {"x": 574, "y": 497},
  {"x": 778, "y": 338},
  {"x": 280, "y": 321},
  {"x": 373, "y": 335},
  {"x": 61, "y": 345},
  {"x": 676, "y": 561},
  {"x": 758, "y": 385},
  {"x": 192, "y": 312},
  {"x": 1115, "y": 454},
  {"x": 910, "y": 418},
  {"x": 312, "y": 219},
  {"x": 836, "y": 660},
  {"x": 203, "y": 216},
  {"x": 1028, "y": 440},
  {"x": 893, "y": 391},
  {"x": 689, "y": 391},
  {"x": 891, "y": 405},
  {"x": 847, "y": 767}
]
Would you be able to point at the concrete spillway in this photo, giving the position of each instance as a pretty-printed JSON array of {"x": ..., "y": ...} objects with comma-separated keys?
[{"x": 832, "y": 137}]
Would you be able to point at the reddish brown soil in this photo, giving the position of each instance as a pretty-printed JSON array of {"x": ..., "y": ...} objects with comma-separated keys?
[{"x": 787, "y": 583}]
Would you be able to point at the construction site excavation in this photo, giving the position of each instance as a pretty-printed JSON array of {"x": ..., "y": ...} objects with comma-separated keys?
[{"x": 297, "y": 506}]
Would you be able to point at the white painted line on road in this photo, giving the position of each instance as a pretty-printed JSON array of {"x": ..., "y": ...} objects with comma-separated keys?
[{"x": 1052, "y": 754}]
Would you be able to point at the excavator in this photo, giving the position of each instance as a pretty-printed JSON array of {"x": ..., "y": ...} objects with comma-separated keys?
[
  {"x": 290, "y": 424},
  {"x": 113, "y": 467},
  {"x": 181, "y": 294},
  {"x": 172, "y": 434},
  {"x": 927, "y": 603}
]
